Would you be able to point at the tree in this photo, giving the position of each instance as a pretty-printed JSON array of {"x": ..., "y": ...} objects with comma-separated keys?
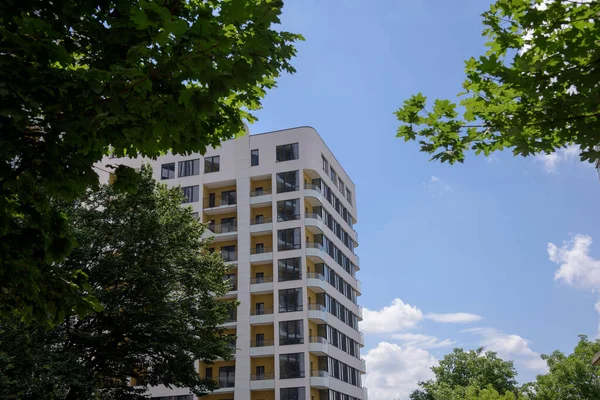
[
  {"x": 156, "y": 281},
  {"x": 138, "y": 77},
  {"x": 571, "y": 377},
  {"x": 474, "y": 370},
  {"x": 534, "y": 91}
]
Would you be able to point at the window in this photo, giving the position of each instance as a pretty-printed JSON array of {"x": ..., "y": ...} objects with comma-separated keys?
[
  {"x": 288, "y": 239},
  {"x": 290, "y": 300},
  {"x": 228, "y": 225},
  {"x": 259, "y": 248},
  {"x": 167, "y": 171},
  {"x": 291, "y": 366},
  {"x": 333, "y": 175},
  {"x": 287, "y": 152},
  {"x": 196, "y": 215},
  {"x": 260, "y": 308},
  {"x": 259, "y": 219},
  {"x": 191, "y": 194},
  {"x": 211, "y": 164},
  {"x": 260, "y": 372},
  {"x": 228, "y": 198},
  {"x": 288, "y": 210},
  {"x": 290, "y": 332},
  {"x": 290, "y": 269},
  {"x": 226, "y": 376},
  {"x": 341, "y": 185},
  {"x": 189, "y": 167},
  {"x": 260, "y": 337},
  {"x": 228, "y": 253},
  {"x": 253, "y": 158},
  {"x": 287, "y": 181},
  {"x": 292, "y": 393},
  {"x": 208, "y": 372},
  {"x": 349, "y": 196},
  {"x": 325, "y": 164}
]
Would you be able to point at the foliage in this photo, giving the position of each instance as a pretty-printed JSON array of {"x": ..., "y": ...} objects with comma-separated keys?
[
  {"x": 570, "y": 377},
  {"x": 151, "y": 271},
  {"x": 139, "y": 77},
  {"x": 535, "y": 90},
  {"x": 474, "y": 369}
]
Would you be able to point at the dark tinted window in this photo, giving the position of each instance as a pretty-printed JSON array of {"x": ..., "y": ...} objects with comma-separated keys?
[
  {"x": 288, "y": 210},
  {"x": 288, "y": 239},
  {"x": 254, "y": 157},
  {"x": 287, "y": 181},
  {"x": 189, "y": 167},
  {"x": 287, "y": 152},
  {"x": 291, "y": 366},
  {"x": 211, "y": 164},
  {"x": 290, "y": 300},
  {"x": 167, "y": 171},
  {"x": 290, "y": 332},
  {"x": 290, "y": 269}
]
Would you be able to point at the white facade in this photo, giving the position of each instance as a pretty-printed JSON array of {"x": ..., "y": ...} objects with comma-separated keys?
[{"x": 236, "y": 173}]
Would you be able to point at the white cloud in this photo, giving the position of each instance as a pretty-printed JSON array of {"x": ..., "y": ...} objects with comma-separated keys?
[
  {"x": 437, "y": 185},
  {"x": 393, "y": 370},
  {"x": 397, "y": 317},
  {"x": 454, "y": 318},
  {"x": 563, "y": 155},
  {"x": 422, "y": 341},
  {"x": 577, "y": 268},
  {"x": 509, "y": 346}
]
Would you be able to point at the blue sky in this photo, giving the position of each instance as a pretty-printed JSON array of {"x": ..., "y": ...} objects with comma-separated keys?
[{"x": 469, "y": 238}]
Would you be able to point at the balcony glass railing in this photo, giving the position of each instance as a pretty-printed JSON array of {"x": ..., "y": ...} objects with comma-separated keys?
[
  {"x": 261, "y": 279},
  {"x": 286, "y": 341},
  {"x": 261, "y": 377},
  {"x": 317, "y": 307},
  {"x": 261, "y": 250},
  {"x": 291, "y": 375},
  {"x": 212, "y": 202},
  {"x": 261, "y": 311},
  {"x": 313, "y": 215},
  {"x": 318, "y": 339},
  {"x": 315, "y": 275},
  {"x": 258, "y": 221},
  {"x": 321, "y": 373},
  {"x": 262, "y": 343},
  {"x": 314, "y": 245},
  {"x": 310, "y": 186},
  {"x": 223, "y": 228},
  {"x": 262, "y": 192}
]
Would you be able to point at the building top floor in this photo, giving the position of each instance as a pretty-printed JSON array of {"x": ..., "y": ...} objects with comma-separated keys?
[{"x": 254, "y": 156}]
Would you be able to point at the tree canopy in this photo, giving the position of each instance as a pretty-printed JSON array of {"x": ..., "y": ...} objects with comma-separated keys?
[
  {"x": 156, "y": 282},
  {"x": 534, "y": 91},
  {"x": 571, "y": 376},
  {"x": 135, "y": 77},
  {"x": 478, "y": 375},
  {"x": 475, "y": 370}
]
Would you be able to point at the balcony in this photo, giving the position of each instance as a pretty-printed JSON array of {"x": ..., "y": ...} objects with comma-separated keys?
[
  {"x": 261, "y": 316},
  {"x": 229, "y": 255},
  {"x": 316, "y": 282},
  {"x": 261, "y": 255},
  {"x": 318, "y": 345},
  {"x": 258, "y": 197},
  {"x": 230, "y": 321},
  {"x": 219, "y": 205},
  {"x": 262, "y": 381},
  {"x": 319, "y": 379},
  {"x": 262, "y": 348},
  {"x": 363, "y": 365},
  {"x": 261, "y": 285},
  {"x": 317, "y": 313},
  {"x": 260, "y": 225},
  {"x": 220, "y": 232},
  {"x": 226, "y": 384}
]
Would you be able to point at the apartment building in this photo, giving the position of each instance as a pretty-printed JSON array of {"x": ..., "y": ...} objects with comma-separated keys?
[{"x": 280, "y": 210}]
